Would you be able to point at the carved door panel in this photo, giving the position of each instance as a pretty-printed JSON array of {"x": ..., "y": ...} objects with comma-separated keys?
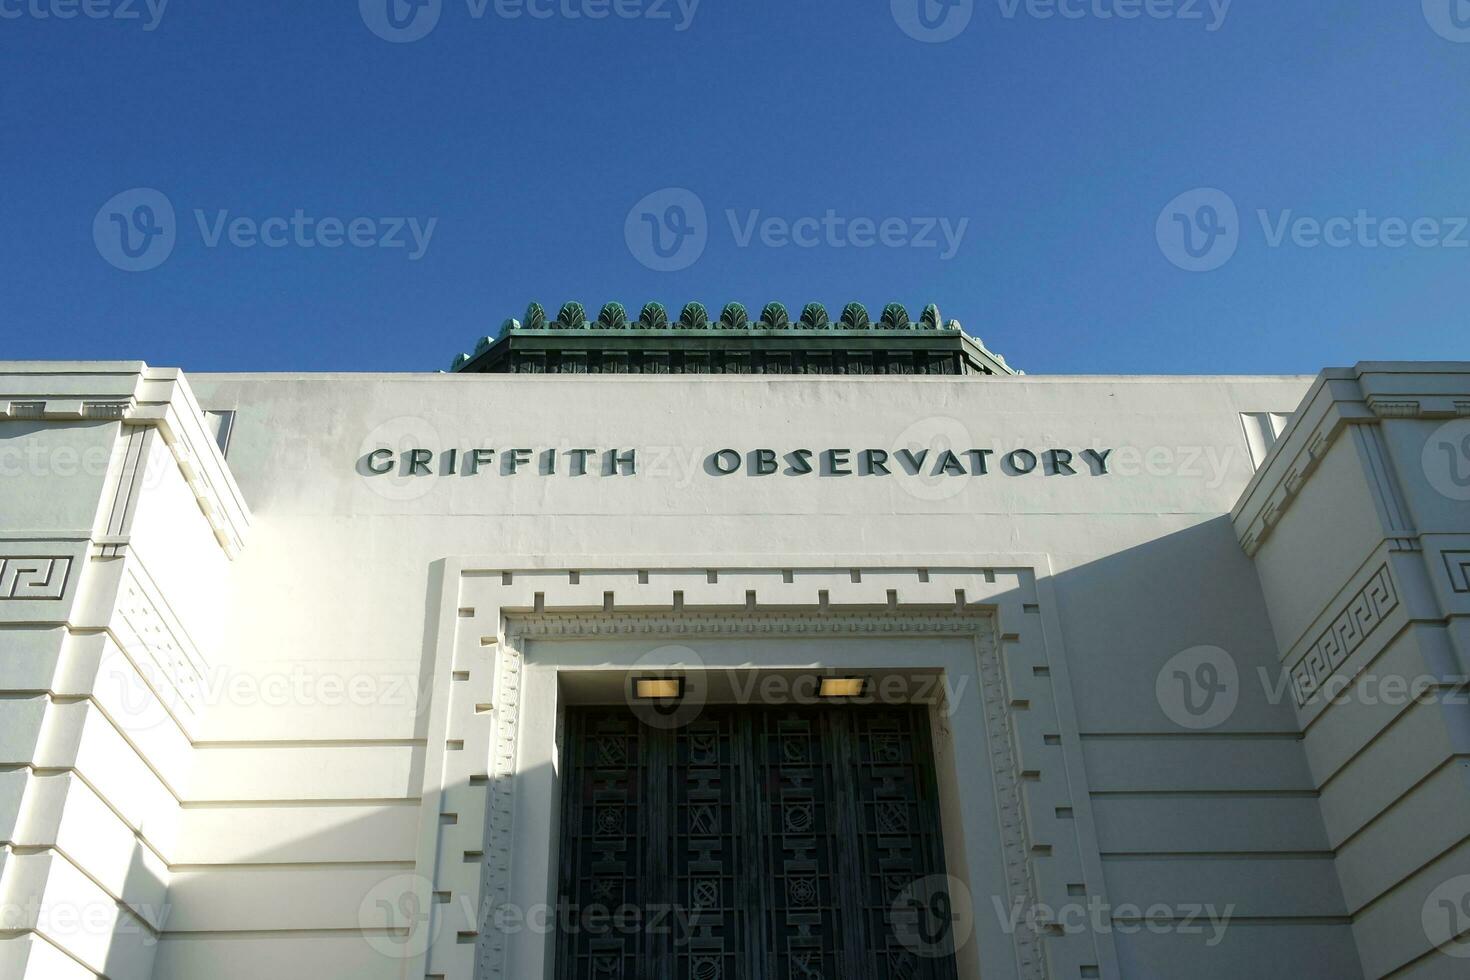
[{"x": 751, "y": 844}]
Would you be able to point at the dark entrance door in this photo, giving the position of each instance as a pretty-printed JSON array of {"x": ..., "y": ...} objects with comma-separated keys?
[{"x": 752, "y": 844}]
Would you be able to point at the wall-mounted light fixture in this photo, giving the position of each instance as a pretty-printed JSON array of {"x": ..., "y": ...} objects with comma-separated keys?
[
  {"x": 843, "y": 687},
  {"x": 658, "y": 688}
]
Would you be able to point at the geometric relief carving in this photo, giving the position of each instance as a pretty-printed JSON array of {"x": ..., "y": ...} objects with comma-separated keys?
[
  {"x": 1457, "y": 563},
  {"x": 1344, "y": 636},
  {"x": 33, "y": 578},
  {"x": 796, "y": 815},
  {"x": 168, "y": 661}
]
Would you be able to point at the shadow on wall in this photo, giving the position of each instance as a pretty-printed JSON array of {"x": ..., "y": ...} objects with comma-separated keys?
[{"x": 1214, "y": 854}]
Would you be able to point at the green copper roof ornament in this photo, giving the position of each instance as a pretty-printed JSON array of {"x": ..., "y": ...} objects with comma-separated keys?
[
  {"x": 855, "y": 317},
  {"x": 774, "y": 317},
  {"x": 535, "y": 317},
  {"x": 509, "y": 326},
  {"x": 694, "y": 317},
  {"x": 460, "y": 360},
  {"x": 483, "y": 344},
  {"x": 653, "y": 317},
  {"x": 930, "y": 318},
  {"x": 894, "y": 317},
  {"x": 814, "y": 317},
  {"x": 613, "y": 317},
  {"x": 572, "y": 316},
  {"x": 734, "y": 317}
]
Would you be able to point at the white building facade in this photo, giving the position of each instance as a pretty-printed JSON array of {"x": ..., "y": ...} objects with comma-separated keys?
[{"x": 293, "y": 667}]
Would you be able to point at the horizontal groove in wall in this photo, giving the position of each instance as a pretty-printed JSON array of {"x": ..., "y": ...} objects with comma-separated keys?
[
  {"x": 1205, "y": 794},
  {"x": 1241, "y": 920},
  {"x": 281, "y": 934},
  {"x": 407, "y": 865},
  {"x": 54, "y": 945},
  {"x": 1373, "y": 740},
  {"x": 287, "y": 804},
  {"x": 1217, "y": 855},
  {"x": 1394, "y": 803},
  {"x": 1383, "y": 895},
  {"x": 81, "y": 777},
  {"x": 310, "y": 743},
  {"x": 1189, "y": 736}
]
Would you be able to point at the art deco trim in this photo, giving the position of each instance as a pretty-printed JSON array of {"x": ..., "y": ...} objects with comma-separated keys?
[
  {"x": 1352, "y": 627},
  {"x": 517, "y": 629},
  {"x": 34, "y": 577},
  {"x": 1457, "y": 563}
]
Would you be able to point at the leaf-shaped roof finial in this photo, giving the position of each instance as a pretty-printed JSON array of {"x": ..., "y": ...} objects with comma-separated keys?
[
  {"x": 774, "y": 317},
  {"x": 855, "y": 317},
  {"x": 535, "y": 317},
  {"x": 694, "y": 317},
  {"x": 814, "y": 317},
  {"x": 734, "y": 317},
  {"x": 930, "y": 318},
  {"x": 894, "y": 317},
  {"x": 572, "y": 316},
  {"x": 460, "y": 360},
  {"x": 613, "y": 317},
  {"x": 653, "y": 317}
]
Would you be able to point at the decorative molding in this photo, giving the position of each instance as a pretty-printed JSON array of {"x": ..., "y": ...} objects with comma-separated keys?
[
  {"x": 153, "y": 639},
  {"x": 1457, "y": 563},
  {"x": 922, "y": 620},
  {"x": 34, "y": 577},
  {"x": 1362, "y": 615},
  {"x": 61, "y": 409},
  {"x": 1418, "y": 406}
]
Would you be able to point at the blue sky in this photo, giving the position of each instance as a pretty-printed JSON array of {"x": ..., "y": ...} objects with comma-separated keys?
[{"x": 828, "y": 146}]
